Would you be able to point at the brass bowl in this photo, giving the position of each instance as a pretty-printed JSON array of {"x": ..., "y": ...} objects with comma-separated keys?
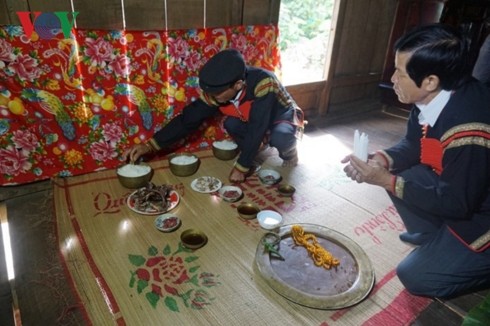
[
  {"x": 193, "y": 238},
  {"x": 134, "y": 176},
  {"x": 248, "y": 211},
  {"x": 225, "y": 150},
  {"x": 183, "y": 164},
  {"x": 286, "y": 190}
]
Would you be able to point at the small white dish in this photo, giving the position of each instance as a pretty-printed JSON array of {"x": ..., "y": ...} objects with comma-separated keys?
[
  {"x": 230, "y": 193},
  {"x": 269, "y": 219},
  {"x": 206, "y": 184},
  {"x": 269, "y": 177},
  {"x": 167, "y": 222}
]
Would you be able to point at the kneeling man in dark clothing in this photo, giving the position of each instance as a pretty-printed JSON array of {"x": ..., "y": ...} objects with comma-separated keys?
[{"x": 438, "y": 175}]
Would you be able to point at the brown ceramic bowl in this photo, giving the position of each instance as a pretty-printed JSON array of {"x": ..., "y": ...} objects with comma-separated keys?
[
  {"x": 134, "y": 176},
  {"x": 183, "y": 164},
  {"x": 248, "y": 211},
  {"x": 193, "y": 238},
  {"x": 225, "y": 150},
  {"x": 286, "y": 190}
]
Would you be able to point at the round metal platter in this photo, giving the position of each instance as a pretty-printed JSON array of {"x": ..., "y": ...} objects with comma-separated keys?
[{"x": 298, "y": 279}]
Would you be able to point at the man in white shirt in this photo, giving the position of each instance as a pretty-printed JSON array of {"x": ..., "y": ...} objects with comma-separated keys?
[{"x": 438, "y": 175}]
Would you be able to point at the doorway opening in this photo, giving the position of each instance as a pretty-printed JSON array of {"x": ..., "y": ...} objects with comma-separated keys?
[{"x": 305, "y": 27}]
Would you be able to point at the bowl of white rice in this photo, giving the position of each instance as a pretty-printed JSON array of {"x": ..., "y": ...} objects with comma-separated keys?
[
  {"x": 134, "y": 176},
  {"x": 183, "y": 164},
  {"x": 225, "y": 149}
]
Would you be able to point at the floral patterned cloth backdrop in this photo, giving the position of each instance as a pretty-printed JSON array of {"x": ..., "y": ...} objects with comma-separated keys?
[{"x": 72, "y": 105}]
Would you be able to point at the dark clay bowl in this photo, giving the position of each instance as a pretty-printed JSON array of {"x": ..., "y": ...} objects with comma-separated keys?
[
  {"x": 193, "y": 238},
  {"x": 248, "y": 211}
]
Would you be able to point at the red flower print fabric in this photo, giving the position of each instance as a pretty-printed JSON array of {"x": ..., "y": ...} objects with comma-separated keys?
[{"x": 70, "y": 106}]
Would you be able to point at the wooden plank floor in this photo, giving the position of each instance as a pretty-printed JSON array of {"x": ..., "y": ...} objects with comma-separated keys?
[{"x": 43, "y": 292}]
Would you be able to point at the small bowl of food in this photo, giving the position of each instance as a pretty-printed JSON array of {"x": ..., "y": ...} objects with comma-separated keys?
[
  {"x": 183, "y": 164},
  {"x": 286, "y": 190},
  {"x": 225, "y": 149},
  {"x": 230, "y": 193},
  {"x": 134, "y": 176},
  {"x": 269, "y": 177},
  {"x": 167, "y": 222},
  {"x": 248, "y": 211},
  {"x": 193, "y": 238},
  {"x": 269, "y": 219}
]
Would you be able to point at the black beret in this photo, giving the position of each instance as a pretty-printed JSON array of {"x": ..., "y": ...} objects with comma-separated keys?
[{"x": 223, "y": 69}]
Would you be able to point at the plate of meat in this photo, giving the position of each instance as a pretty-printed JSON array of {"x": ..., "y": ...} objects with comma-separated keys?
[{"x": 153, "y": 200}]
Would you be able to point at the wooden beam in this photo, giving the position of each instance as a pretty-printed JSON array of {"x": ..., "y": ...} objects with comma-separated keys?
[{"x": 333, "y": 49}]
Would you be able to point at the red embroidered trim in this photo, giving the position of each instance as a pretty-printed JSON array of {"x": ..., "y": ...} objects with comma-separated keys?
[
  {"x": 431, "y": 151},
  {"x": 242, "y": 112}
]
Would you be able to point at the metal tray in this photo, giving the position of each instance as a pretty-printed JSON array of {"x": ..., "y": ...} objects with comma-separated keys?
[{"x": 299, "y": 280}]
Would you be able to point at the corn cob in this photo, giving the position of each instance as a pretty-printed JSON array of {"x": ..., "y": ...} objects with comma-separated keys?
[
  {"x": 53, "y": 105},
  {"x": 137, "y": 96}
]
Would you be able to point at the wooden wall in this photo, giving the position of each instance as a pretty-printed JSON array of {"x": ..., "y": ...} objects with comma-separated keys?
[
  {"x": 358, "y": 48},
  {"x": 150, "y": 15}
]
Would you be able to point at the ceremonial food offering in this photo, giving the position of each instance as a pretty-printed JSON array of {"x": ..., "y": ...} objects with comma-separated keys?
[
  {"x": 230, "y": 193},
  {"x": 153, "y": 200},
  {"x": 298, "y": 279},
  {"x": 193, "y": 238},
  {"x": 206, "y": 184},
  {"x": 225, "y": 149},
  {"x": 167, "y": 222},
  {"x": 183, "y": 164},
  {"x": 134, "y": 176},
  {"x": 269, "y": 219},
  {"x": 248, "y": 211},
  {"x": 269, "y": 177},
  {"x": 286, "y": 190}
]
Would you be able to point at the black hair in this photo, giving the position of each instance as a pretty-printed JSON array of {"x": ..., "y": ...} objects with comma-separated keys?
[{"x": 439, "y": 50}]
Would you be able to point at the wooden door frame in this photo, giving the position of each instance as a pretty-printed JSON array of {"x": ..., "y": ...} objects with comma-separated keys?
[{"x": 315, "y": 96}]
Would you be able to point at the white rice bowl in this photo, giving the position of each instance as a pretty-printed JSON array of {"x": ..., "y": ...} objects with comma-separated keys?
[
  {"x": 133, "y": 171},
  {"x": 183, "y": 160},
  {"x": 225, "y": 145}
]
